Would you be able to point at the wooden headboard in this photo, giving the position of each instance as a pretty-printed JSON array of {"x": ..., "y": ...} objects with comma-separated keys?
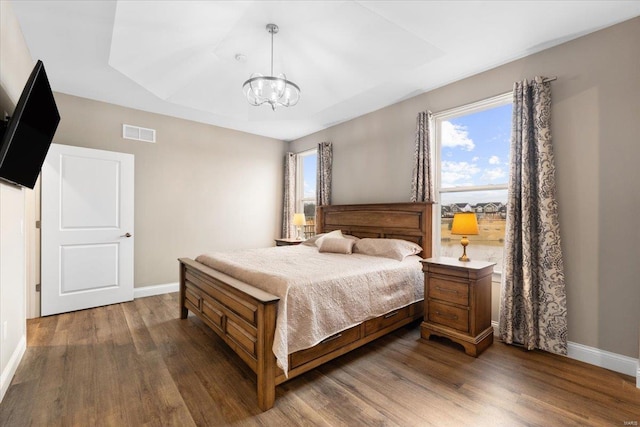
[{"x": 408, "y": 221}]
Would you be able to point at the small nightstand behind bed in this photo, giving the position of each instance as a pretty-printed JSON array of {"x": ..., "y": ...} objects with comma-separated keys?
[{"x": 288, "y": 242}]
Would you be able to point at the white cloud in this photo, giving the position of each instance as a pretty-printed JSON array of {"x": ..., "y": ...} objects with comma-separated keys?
[
  {"x": 494, "y": 160},
  {"x": 470, "y": 168},
  {"x": 457, "y": 173},
  {"x": 496, "y": 174},
  {"x": 456, "y": 136},
  {"x": 475, "y": 159}
]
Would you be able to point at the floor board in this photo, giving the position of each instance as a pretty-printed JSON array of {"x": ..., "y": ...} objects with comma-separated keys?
[{"x": 138, "y": 364}]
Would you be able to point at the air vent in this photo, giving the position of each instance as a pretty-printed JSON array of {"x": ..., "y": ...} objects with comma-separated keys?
[{"x": 138, "y": 134}]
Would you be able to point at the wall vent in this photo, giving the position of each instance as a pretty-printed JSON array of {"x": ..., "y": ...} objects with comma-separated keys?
[{"x": 138, "y": 134}]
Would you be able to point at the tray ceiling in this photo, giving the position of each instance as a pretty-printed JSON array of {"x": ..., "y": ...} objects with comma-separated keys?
[{"x": 179, "y": 57}]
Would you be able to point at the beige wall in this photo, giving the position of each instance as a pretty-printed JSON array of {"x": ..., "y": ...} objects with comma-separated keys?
[
  {"x": 15, "y": 66},
  {"x": 595, "y": 125},
  {"x": 198, "y": 188}
]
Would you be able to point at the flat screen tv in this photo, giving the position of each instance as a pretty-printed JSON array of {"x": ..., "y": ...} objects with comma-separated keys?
[{"x": 26, "y": 136}]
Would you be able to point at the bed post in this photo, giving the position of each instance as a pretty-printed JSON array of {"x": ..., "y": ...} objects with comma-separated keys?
[
  {"x": 266, "y": 367},
  {"x": 319, "y": 220},
  {"x": 184, "y": 313}
]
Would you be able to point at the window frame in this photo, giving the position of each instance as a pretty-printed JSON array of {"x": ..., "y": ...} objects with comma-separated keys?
[
  {"x": 300, "y": 199},
  {"x": 436, "y": 149}
]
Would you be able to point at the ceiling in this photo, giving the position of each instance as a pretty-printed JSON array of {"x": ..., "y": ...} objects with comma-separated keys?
[{"x": 178, "y": 58}]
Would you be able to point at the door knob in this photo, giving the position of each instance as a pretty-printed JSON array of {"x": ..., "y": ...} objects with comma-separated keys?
[{"x": 126, "y": 235}]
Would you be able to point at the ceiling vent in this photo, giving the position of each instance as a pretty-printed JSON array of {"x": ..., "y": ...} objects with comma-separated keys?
[{"x": 138, "y": 134}]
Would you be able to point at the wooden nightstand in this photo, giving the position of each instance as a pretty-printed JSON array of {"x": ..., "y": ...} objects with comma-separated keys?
[
  {"x": 457, "y": 298},
  {"x": 288, "y": 242}
]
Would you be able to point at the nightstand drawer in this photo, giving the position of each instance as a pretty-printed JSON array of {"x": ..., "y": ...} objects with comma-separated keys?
[
  {"x": 449, "y": 290},
  {"x": 437, "y": 269},
  {"x": 453, "y": 317}
]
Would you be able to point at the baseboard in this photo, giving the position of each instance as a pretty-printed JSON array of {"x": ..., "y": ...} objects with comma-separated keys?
[
  {"x": 10, "y": 370},
  {"x": 495, "y": 327},
  {"x": 148, "y": 291},
  {"x": 602, "y": 358}
]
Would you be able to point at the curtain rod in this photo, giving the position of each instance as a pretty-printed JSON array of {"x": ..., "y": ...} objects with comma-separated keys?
[{"x": 445, "y": 112}]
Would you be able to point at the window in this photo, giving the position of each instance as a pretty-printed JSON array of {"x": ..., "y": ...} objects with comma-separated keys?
[
  {"x": 306, "y": 187},
  {"x": 472, "y": 174}
]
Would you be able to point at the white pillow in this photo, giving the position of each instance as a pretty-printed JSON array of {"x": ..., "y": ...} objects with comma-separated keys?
[
  {"x": 336, "y": 245},
  {"x": 387, "y": 248}
]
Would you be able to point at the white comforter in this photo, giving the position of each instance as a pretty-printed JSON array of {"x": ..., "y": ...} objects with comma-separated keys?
[{"x": 321, "y": 294}]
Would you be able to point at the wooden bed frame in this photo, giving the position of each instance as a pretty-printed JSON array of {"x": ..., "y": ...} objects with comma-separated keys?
[{"x": 245, "y": 317}]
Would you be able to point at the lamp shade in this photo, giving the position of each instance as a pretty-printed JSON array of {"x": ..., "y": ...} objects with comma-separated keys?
[
  {"x": 298, "y": 219},
  {"x": 465, "y": 224}
]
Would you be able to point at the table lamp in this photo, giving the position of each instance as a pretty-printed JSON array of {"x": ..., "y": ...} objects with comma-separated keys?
[
  {"x": 299, "y": 221},
  {"x": 464, "y": 224}
]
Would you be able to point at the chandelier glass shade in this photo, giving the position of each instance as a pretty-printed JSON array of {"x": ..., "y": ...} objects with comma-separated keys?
[{"x": 276, "y": 91}]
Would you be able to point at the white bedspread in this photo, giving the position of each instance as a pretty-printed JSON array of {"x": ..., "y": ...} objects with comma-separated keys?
[{"x": 321, "y": 294}]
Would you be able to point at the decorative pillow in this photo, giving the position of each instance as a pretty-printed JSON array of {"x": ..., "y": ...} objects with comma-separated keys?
[
  {"x": 336, "y": 234},
  {"x": 387, "y": 248},
  {"x": 311, "y": 241},
  {"x": 336, "y": 245}
]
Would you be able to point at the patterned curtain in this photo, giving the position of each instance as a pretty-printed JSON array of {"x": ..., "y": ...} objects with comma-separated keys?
[
  {"x": 289, "y": 195},
  {"x": 323, "y": 182},
  {"x": 533, "y": 308},
  {"x": 421, "y": 187}
]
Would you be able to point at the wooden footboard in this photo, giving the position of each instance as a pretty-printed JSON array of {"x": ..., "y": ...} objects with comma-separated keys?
[{"x": 245, "y": 318}]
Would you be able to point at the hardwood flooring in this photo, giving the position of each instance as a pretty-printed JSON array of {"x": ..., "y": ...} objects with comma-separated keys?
[{"x": 138, "y": 364}]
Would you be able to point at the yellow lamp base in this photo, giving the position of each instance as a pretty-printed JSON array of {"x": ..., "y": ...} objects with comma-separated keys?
[{"x": 464, "y": 242}]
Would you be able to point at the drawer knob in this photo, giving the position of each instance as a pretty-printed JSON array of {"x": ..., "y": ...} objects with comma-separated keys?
[
  {"x": 447, "y": 316},
  {"x": 388, "y": 315},
  {"x": 453, "y": 291}
]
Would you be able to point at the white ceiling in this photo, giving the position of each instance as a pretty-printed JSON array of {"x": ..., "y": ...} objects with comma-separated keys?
[{"x": 349, "y": 57}]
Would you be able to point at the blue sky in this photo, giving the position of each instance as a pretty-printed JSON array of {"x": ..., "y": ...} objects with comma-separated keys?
[
  {"x": 475, "y": 152},
  {"x": 309, "y": 175}
]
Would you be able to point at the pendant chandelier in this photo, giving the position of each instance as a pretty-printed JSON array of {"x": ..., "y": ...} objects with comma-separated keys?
[{"x": 277, "y": 91}]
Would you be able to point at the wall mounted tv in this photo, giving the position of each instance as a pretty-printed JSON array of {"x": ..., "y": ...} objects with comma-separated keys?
[{"x": 25, "y": 137}]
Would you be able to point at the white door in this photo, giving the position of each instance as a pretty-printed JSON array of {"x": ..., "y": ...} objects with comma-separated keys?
[{"x": 87, "y": 229}]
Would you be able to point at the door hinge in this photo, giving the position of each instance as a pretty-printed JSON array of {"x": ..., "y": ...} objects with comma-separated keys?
[
  {"x": 37, "y": 224},
  {"x": 37, "y": 287}
]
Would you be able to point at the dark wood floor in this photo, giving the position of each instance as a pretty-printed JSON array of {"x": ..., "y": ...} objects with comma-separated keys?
[{"x": 137, "y": 364}]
